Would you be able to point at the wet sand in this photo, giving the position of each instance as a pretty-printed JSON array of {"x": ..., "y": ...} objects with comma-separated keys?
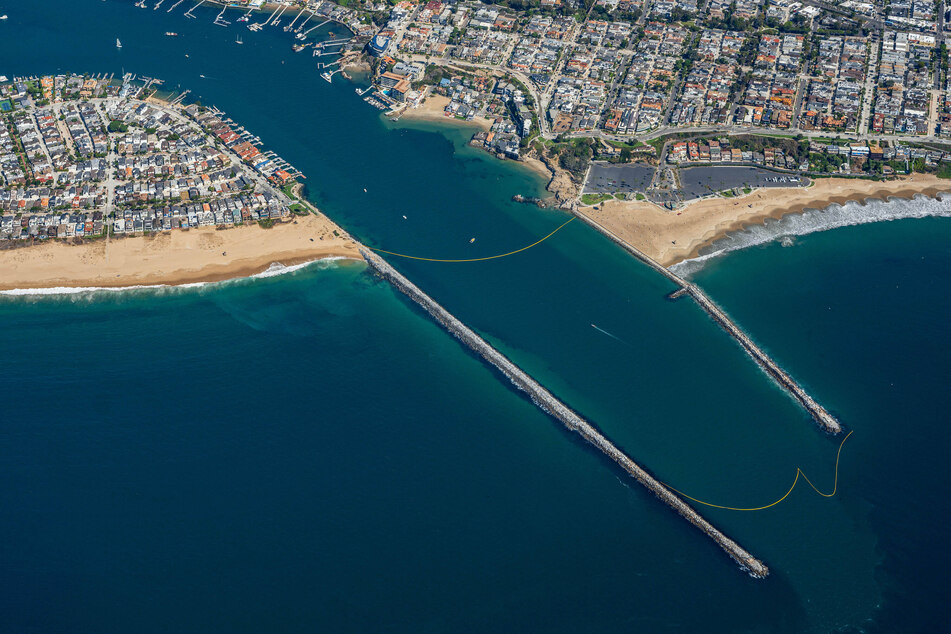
[
  {"x": 204, "y": 254},
  {"x": 670, "y": 237},
  {"x": 433, "y": 109}
]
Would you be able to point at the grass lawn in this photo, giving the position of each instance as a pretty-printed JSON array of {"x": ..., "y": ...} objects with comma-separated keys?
[{"x": 594, "y": 199}]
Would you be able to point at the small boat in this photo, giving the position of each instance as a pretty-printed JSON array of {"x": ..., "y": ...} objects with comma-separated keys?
[
  {"x": 405, "y": 218},
  {"x": 238, "y": 40},
  {"x": 118, "y": 43},
  {"x": 202, "y": 76},
  {"x": 3, "y": 17},
  {"x": 171, "y": 34},
  {"x": 186, "y": 54},
  {"x": 364, "y": 190},
  {"x": 243, "y": 18},
  {"x": 471, "y": 241}
]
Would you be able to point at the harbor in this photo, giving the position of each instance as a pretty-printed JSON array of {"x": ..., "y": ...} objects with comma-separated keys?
[
  {"x": 300, "y": 21},
  {"x": 561, "y": 412},
  {"x": 820, "y": 415},
  {"x": 402, "y": 452}
]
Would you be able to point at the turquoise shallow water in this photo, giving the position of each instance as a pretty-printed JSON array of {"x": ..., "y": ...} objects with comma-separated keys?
[{"x": 311, "y": 452}]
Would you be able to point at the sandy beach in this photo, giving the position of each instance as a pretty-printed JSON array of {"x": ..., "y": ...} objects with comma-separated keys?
[
  {"x": 536, "y": 166},
  {"x": 204, "y": 254},
  {"x": 670, "y": 237},
  {"x": 433, "y": 109}
]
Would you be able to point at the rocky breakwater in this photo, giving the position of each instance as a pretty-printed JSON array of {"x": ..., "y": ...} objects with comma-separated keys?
[
  {"x": 819, "y": 413},
  {"x": 546, "y": 401}
]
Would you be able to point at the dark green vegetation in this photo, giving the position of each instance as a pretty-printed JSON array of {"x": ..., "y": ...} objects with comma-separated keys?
[
  {"x": 572, "y": 155},
  {"x": 594, "y": 199}
]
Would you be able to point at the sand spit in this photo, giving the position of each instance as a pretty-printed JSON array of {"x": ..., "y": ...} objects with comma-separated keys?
[{"x": 203, "y": 254}]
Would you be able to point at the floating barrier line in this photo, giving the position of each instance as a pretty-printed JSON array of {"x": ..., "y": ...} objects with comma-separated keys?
[
  {"x": 547, "y": 402},
  {"x": 490, "y": 257},
  {"x": 799, "y": 472}
]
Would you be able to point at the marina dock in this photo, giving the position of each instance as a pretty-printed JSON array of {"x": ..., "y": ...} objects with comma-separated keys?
[
  {"x": 561, "y": 412},
  {"x": 822, "y": 417}
]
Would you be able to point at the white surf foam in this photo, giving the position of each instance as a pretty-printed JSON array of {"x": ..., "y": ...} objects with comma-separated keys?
[
  {"x": 273, "y": 270},
  {"x": 279, "y": 269},
  {"x": 814, "y": 220}
]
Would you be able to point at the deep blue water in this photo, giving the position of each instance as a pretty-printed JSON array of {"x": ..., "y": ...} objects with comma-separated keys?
[{"x": 310, "y": 452}]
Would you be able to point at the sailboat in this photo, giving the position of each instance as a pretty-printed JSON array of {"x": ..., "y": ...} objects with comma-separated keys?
[{"x": 118, "y": 43}]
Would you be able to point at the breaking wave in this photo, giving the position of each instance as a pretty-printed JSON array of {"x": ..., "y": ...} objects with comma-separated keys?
[
  {"x": 813, "y": 220},
  {"x": 274, "y": 270}
]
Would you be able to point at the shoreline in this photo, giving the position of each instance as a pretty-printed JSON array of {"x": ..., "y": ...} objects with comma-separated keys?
[
  {"x": 671, "y": 237},
  {"x": 175, "y": 258},
  {"x": 52, "y": 291},
  {"x": 539, "y": 167},
  {"x": 433, "y": 109}
]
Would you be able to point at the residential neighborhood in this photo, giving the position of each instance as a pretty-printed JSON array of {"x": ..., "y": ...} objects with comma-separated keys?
[{"x": 87, "y": 157}]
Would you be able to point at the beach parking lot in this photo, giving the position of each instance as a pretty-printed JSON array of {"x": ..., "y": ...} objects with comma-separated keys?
[
  {"x": 609, "y": 178},
  {"x": 696, "y": 182}
]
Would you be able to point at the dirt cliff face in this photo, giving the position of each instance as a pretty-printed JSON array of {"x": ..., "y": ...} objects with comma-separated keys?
[
  {"x": 562, "y": 186},
  {"x": 356, "y": 62}
]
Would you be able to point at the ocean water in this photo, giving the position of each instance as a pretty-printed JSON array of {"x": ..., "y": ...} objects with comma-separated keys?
[{"x": 310, "y": 452}]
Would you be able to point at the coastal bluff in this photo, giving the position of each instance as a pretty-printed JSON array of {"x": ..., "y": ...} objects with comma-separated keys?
[{"x": 561, "y": 412}]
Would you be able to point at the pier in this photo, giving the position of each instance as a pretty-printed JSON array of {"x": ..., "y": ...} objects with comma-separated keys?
[
  {"x": 561, "y": 412},
  {"x": 179, "y": 99},
  {"x": 220, "y": 20},
  {"x": 304, "y": 23},
  {"x": 276, "y": 16},
  {"x": 189, "y": 14},
  {"x": 291, "y": 25},
  {"x": 822, "y": 417},
  {"x": 307, "y": 32}
]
